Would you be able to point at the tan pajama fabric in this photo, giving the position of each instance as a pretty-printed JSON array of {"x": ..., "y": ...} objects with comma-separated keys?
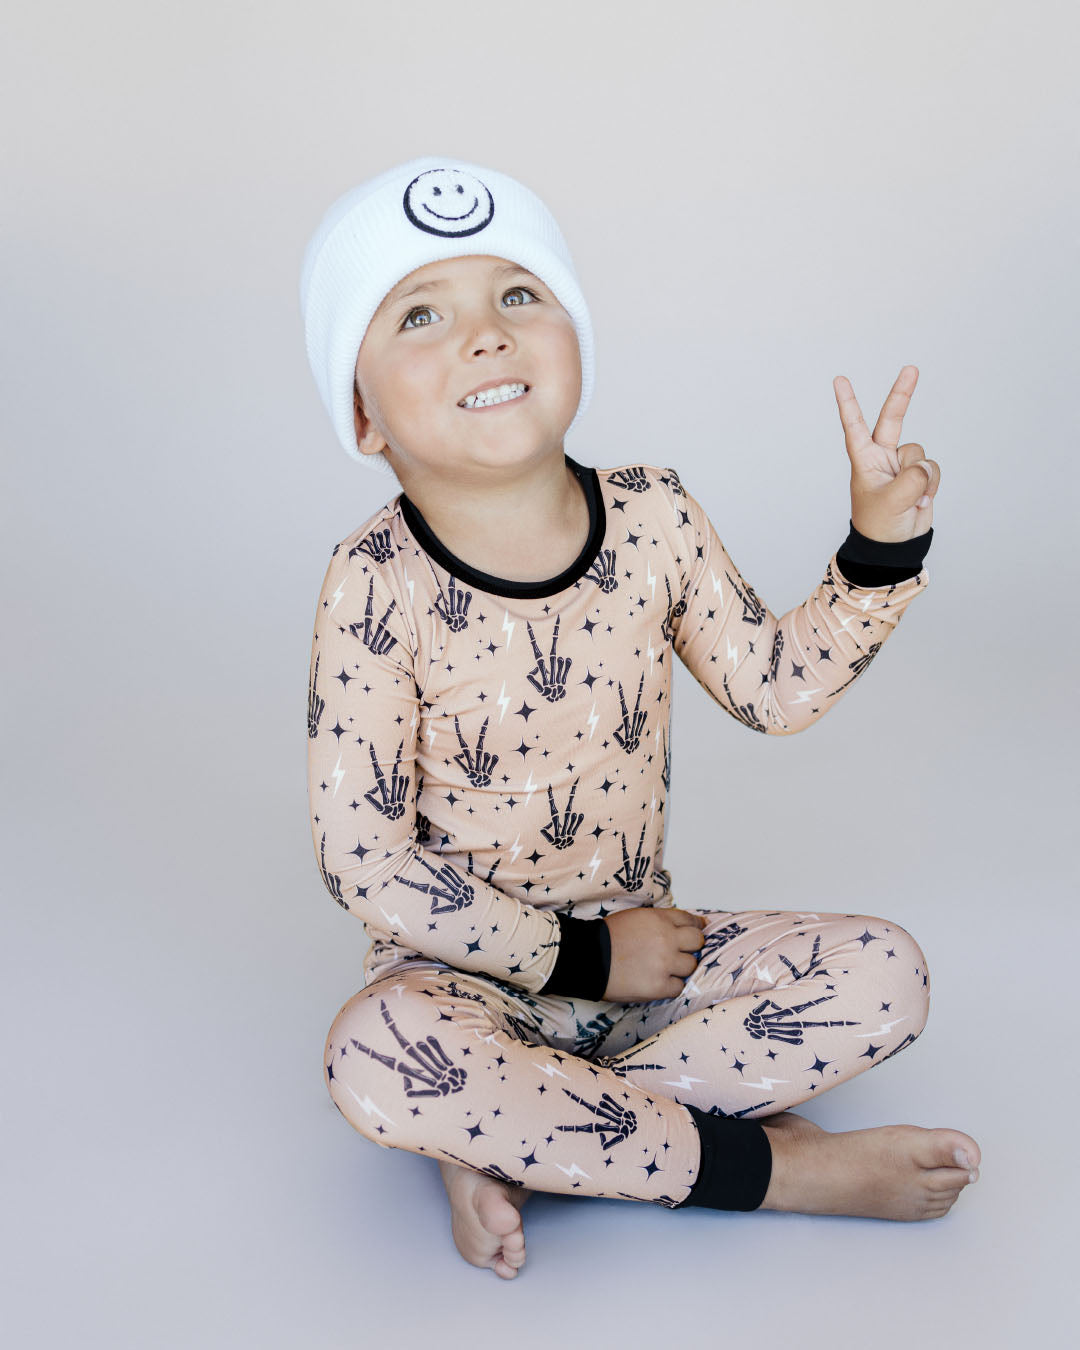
[{"x": 479, "y": 760}]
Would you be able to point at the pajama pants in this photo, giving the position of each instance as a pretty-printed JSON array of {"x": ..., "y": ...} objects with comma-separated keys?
[{"x": 586, "y": 1098}]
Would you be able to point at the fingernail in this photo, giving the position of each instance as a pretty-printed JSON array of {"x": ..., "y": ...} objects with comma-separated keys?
[
  {"x": 973, "y": 1176},
  {"x": 924, "y": 500},
  {"x": 963, "y": 1158}
]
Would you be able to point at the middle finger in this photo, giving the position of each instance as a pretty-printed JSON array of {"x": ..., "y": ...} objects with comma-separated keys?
[{"x": 891, "y": 418}]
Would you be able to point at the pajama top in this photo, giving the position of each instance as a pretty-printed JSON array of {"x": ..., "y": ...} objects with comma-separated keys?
[{"x": 489, "y": 760}]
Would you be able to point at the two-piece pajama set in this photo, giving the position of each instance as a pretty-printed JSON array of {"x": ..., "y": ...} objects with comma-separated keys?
[{"x": 489, "y": 766}]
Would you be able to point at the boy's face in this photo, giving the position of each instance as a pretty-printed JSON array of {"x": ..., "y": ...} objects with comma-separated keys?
[{"x": 425, "y": 350}]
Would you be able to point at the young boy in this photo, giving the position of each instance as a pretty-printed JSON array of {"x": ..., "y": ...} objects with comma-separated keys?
[{"x": 489, "y": 758}]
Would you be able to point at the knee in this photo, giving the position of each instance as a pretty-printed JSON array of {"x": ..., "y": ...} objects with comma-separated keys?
[
  {"x": 359, "y": 1059},
  {"x": 909, "y": 972},
  {"x": 380, "y": 1051}
]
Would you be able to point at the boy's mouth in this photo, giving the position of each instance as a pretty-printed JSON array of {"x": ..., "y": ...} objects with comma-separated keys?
[{"x": 493, "y": 396}]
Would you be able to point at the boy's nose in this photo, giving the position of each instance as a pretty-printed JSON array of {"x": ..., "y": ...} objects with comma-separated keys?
[{"x": 496, "y": 346}]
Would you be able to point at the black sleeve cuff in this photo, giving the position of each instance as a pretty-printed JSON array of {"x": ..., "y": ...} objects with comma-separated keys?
[
  {"x": 584, "y": 961},
  {"x": 869, "y": 562}
]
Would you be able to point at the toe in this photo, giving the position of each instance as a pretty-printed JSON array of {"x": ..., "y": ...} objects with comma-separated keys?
[
  {"x": 497, "y": 1212},
  {"x": 939, "y": 1149},
  {"x": 940, "y": 1181}
]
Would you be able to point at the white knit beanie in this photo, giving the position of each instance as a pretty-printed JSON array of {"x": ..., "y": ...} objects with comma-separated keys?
[{"x": 420, "y": 212}]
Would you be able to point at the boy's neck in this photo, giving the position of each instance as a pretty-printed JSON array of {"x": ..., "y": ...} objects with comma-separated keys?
[{"x": 526, "y": 529}]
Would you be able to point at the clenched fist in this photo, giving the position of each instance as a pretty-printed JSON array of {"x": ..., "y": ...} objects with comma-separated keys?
[{"x": 652, "y": 953}]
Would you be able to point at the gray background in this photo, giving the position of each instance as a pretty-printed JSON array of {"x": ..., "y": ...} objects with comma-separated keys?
[{"x": 758, "y": 198}]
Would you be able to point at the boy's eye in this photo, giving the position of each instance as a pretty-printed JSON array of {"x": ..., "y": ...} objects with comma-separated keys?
[
  {"x": 426, "y": 309},
  {"x": 417, "y": 309},
  {"x": 520, "y": 290}
]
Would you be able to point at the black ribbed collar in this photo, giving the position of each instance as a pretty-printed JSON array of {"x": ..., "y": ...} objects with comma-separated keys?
[{"x": 483, "y": 581}]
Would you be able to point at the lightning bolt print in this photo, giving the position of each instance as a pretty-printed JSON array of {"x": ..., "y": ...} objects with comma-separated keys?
[{"x": 503, "y": 701}]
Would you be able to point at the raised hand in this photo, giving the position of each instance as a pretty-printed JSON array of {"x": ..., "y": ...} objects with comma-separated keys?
[{"x": 892, "y": 485}]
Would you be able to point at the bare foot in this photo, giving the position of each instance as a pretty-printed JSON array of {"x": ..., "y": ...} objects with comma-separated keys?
[
  {"x": 889, "y": 1172},
  {"x": 486, "y": 1219}
]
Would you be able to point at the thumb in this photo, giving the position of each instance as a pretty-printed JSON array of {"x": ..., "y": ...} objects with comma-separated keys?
[{"x": 915, "y": 482}]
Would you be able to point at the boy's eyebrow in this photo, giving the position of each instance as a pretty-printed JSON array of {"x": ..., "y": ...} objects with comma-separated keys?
[{"x": 502, "y": 271}]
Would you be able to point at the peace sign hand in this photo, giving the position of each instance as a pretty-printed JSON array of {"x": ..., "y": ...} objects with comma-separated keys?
[{"x": 892, "y": 486}]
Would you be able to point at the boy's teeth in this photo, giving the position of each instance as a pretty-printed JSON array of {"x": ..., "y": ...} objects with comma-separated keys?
[{"x": 500, "y": 394}]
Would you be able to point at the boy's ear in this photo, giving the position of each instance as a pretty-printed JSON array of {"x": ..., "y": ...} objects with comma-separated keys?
[{"x": 365, "y": 429}]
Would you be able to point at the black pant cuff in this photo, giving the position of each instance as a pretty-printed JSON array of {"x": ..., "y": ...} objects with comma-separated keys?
[{"x": 736, "y": 1163}]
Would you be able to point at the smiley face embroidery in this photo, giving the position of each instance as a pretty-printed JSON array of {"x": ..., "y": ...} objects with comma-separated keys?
[{"x": 449, "y": 202}]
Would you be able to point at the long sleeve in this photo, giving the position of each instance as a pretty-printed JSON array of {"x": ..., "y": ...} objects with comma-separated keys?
[
  {"x": 365, "y": 713},
  {"x": 779, "y": 675}
]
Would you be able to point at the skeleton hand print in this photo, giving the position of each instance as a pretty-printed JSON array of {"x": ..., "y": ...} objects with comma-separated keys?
[
  {"x": 456, "y": 893},
  {"x": 631, "y": 479},
  {"x": 315, "y": 705},
  {"x": 674, "y": 611},
  {"x": 433, "y": 1067},
  {"x": 672, "y": 479},
  {"x": 779, "y": 1026},
  {"x": 377, "y": 545},
  {"x": 753, "y": 609},
  {"x": 379, "y": 639},
  {"x": 552, "y": 681},
  {"x": 744, "y": 714},
  {"x": 631, "y": 875},
  {"x": 388, "y": 801},
  {"x": 629, "y": 734},
  {"x": 454, "y": 612},
  {"x": 332, "y": 880},
  {"x": 478, "y": 767},
  {"x": 613, "y": 1120},
  {"x": 603, "y": 571},
  {"x": 561, "y": 832}
]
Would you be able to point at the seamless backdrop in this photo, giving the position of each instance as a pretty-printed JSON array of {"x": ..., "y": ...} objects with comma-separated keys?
[{"x": 757, "y": 198}]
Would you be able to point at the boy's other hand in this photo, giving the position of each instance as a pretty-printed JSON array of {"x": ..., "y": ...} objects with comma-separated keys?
[
  {"x": 652, "y": 953},
  {"x": 892, "y": 485}
]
